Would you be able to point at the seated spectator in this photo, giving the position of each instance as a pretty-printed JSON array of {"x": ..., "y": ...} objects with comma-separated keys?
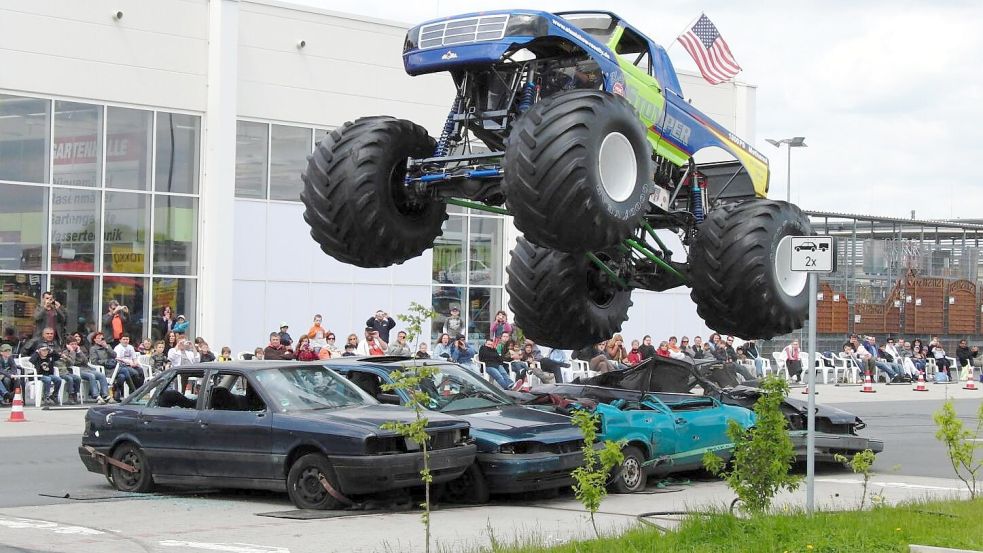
[
  {"x": 258, "y": 354},
  {"x": 400, "y": 347},
  {"x": 937, "y": 352},
  {"x": 276, "y": 351},
  {"x": 331, "y": 350},
  {"x": 443, "y": 347},
  {"x": 158, "y": 359},
  {"x": 599, "y": 360},
  {"x": 504, "y": 343},
  {"x": 793, "y": 361},
  {"x": 889, "y": 354},
  {"x": 554, "y": 361},
  {"x": 646, "y": 350},
  {"x": 685, "y": 348},
  {"x": 183, "y": 354},
  {"x": 43, "y": 360},
  {"x": 72, "y": 356},
  {"x": 421, "y": 351},
  {"x": 129, "y": 365},
  {"x": 967, "y": 356},
  {"x": 305, "y": 351},
  {"x": 532, "y": 357},
  {"x": 352, "y": 340},
  {"x": 462, "y": 353},
  {"x": 205, "y": 354},
  {"x": 700, "y": 350},
  {"x": 47, "y": 338},
  {"x": 145, "y": 347},
  {"x": 751, "y": 352},
  {"x": 226, "y": 354},
  {"x": 515, "y": 362},
  {"x": 349, "y": 351},
  {"x": 663, "y": 350},
  {"x": 8, "y": 374},
  {"x": 634, "y": 355},
  {"x": 713, "y": 340},
  {"x": 892, "y": 374},
  {"x": 616, "y": 352},
  {"x": 495, "y": 364},
  {"x": 673, "y": 344},
  {"x": 373, "y": 344}
]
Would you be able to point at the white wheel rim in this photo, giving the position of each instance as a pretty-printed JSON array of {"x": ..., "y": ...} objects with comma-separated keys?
[
  {"x": 631, "y": 472},
  {"x": 792, "y": 283},
  {"x": 617, "y": 166}
]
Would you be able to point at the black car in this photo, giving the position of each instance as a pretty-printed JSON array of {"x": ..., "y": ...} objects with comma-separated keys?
[{"x": 275, "y": 425}]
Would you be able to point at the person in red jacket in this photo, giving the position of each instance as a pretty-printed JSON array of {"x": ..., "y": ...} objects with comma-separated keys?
[
  {"x": 663, "y": 350},
  {"x": 304, "y": 350},
  {"x": 634, "y": 356}
]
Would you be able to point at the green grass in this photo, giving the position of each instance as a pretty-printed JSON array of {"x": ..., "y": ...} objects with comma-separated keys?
[{"x": 957, "y": 524}]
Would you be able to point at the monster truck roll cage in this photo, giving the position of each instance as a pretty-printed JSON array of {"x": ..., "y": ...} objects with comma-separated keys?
[{"x": 486, "y": 104}]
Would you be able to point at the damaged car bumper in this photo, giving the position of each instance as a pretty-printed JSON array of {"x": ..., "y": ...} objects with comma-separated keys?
[
  {"x": 828, "y": 445},
  {"x": 511, "y": 473},
  {"x": 374, "y": 473}
]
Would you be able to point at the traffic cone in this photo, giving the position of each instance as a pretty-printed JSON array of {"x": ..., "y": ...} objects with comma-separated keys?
[
  {"x": 17, "y": 408},
  {"x": 920, "y": 385},
  {"x": 970, "y": 384},
  {"x": 868, "y": 384}
]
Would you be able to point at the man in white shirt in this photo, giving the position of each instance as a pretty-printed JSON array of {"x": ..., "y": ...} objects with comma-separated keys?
[
  {"x": 127, "y": 357},
  {"x": 183, "y": 354}
]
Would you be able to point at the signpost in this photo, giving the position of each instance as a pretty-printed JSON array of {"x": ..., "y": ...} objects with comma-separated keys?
[{"x": 812, "y": 254}]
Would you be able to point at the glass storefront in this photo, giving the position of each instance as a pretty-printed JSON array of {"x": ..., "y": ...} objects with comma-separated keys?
[
  {"x": 270, "y": 159},
  {"x": 112, "y": 212}
]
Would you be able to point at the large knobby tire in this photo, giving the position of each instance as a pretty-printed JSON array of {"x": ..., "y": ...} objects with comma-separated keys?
[
  {"x": 740, "y": 269},
  {"x": 140, "y": 481},
  {"x": 578, "y": 171},
  {"x": 630, "y": 476},
  {"x": 304, "y": 483},
  {"x": 357, "y": 203},
  {"x": 562, "y": 299}
]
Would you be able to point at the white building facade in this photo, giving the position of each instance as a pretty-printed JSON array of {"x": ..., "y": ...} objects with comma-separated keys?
[{"x": 150, "y": 153}]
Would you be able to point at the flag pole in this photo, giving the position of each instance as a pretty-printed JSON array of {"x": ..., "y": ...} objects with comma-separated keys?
[{"x": 686, "y": 28}]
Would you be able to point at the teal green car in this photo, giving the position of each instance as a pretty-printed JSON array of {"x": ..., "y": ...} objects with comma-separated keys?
[{"x": 666, "y": 433}]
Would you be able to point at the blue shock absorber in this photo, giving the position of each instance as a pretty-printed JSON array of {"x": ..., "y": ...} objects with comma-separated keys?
[
  {"x": 696, "y": 197},
  {"x": 443, "y": 143},
  {"x": 528, "y": 97}
]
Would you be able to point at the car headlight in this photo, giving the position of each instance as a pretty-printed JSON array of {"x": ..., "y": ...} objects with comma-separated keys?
[
  {"x": 412, "y": 39},
  {"x": 521, "y": 448}
]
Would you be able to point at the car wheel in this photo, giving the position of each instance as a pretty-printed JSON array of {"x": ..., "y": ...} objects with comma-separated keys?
[
  {"x": 631, "y": 475},
  {"x": 125, "y": 481},
  {"x": 470, "y": 487},
  {"x": 304, "y": 483}
]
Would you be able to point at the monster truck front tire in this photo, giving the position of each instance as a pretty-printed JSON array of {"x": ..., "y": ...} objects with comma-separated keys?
[
  {"x": 740, "y": 269},
  {"x": 578, "y": 171},
  {"x": 356, "y": 202},
  {"x": 562, "y": 299}
]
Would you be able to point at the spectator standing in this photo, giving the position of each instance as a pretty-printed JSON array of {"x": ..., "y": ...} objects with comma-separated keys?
[
  {"x": 400, "y": 347},
  {"x": 317, "y": 334},
  {"x": 793, "y": 362},
  {"x": 181, "y": 325},
  {"x": 114, "y": 321},
  {"x": 443, "y": 347},
  {"x": 454, "y": 325},
  {"x": 646, "y": 350},
  {"x": 965, "y": 355},
  {"x": 285, "y": 339},
  {"x": 305, "y": 350},
  {"x": 495, "y": 364},
  {"x": 462, "y": 353},
  {"x": 382, "y": 323},
  {"x": 50, "y": 314},
  {"x": 276, "y": 351},
  {"x": 8, "y": 374},
  {"x": 164, "y": 323},
  {"x": 499, "y": 326},
  {"x": 43, "y": 360}
]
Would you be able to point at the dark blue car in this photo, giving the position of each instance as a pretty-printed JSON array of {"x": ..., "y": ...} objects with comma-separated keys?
[
  {"x": 276, "y": 425},
  {"x": 520, "y": 449}
]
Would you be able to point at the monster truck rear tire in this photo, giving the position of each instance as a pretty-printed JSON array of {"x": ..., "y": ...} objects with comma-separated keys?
[
  {"x": 357, "y": 204},
  {"x": 562, "y": 299},
  {"x": 740, "y": 269},
  {"x": 578, "y": 171}
]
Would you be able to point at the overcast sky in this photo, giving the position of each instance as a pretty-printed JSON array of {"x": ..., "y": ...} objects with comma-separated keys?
[{"x": 889, "y": 95}]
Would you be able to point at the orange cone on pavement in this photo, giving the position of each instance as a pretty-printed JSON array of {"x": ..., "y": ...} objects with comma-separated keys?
[
  {"x": 17, "y": 408},
  {"x": 868, "y": 385},
  {"x": 970, "y": 384},
  {"x": 920, "y": 385}
]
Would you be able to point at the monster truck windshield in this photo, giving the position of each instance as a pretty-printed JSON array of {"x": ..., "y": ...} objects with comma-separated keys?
[{"x": 598, "y": 25}]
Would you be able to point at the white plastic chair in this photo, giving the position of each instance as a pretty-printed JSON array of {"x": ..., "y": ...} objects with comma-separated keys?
[
  {"x": 578, "y": 369},
  {"x": 780, "y": 363},
  {"x": 30, "y": 376},
  {"x": 820, "y": 367},
  {"x": 147, "y": 364},
  {"x": 242, "y": 355},
  {"x": 848, "y": 366}
]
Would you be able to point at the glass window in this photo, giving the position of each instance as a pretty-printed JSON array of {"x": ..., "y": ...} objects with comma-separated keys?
[
  {"x": 449, "y": 266},
  {"x": 128, "y": 292},
  {"x": 252, "y": 157},
  {"x": 78, "y": 144},
  {"x": 181, "y": 391},
  {"x": 485, "y": 246},
  {"x": 74, "y": 229},
  {"x": 178, "y": 148},
  {"x": 179, "y": 295},
  {"x": 128, "y": 140},
  {"x": 483, "y": 303},
  {"x": 126, "y": 226},
  {"x": 24, "y": 149},
  {"x": 23, "y": 225},
  {"x": 175, "y": 243},
  {"x": 289, "y": 148},
  {"x": 444, "y": 299},
  {"x": 19, "y": 297},
  {"x": 78, "y": 297},
  {"x": 310, "y": 387},
  {"x": 232, "y": 392}
]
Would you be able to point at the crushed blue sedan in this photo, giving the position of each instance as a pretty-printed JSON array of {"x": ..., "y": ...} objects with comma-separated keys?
[
  {"x": 274, "y": 425},
  {"x": 520, "y": 449}
]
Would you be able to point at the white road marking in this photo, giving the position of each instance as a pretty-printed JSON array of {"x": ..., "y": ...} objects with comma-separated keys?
[
  {"x": 226, "y": 547},
  {"x": 28, "y": 524},
  {"x": 891, "y": 484}
]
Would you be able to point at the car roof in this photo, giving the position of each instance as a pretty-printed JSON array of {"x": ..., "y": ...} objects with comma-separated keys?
[
  {"x": 247, "y": 366},
  {"x": 394, "y": 361}
]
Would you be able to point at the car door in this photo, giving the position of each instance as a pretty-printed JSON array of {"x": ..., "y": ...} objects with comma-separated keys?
[
  {"x": 700, "y": 427},
  {"x": 236, "y": 429},
  {"x": 168, "y": 425}
]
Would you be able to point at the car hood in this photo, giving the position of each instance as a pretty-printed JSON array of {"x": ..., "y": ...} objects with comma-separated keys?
[
  {"x": 371, "y": 417},
  {"x": 835, "y": 416},
  {"x": 518, "y": 423}
]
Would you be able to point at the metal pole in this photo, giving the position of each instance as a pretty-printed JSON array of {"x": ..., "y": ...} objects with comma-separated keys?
[
  {"x": 788, "y": 174},
  {"x": 811, "y": 426}
]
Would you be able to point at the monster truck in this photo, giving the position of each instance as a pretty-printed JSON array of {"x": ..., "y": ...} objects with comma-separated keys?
[{"x": 576, "y": 123}]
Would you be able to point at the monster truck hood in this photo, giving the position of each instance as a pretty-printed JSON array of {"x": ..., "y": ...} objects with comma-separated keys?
[{"x": 482, "y": 38}]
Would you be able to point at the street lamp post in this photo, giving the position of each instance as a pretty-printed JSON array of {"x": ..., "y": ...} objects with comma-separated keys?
[{"x": 794, "y": 142}]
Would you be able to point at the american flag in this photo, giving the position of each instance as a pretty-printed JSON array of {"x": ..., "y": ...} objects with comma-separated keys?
[{"x": 709, "y": 51}]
